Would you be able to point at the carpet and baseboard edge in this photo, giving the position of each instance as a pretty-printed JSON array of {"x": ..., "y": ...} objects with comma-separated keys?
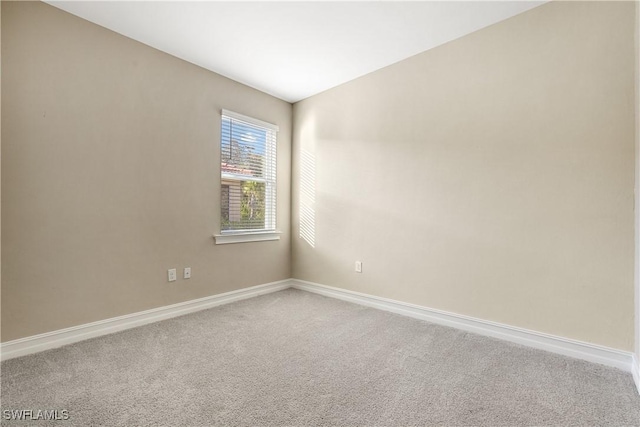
[
  {"x": 635, "y": 371},
  {"x": 555, "y": 344},
  {"x": 623, "y": 360},
  {"x": 61, "y": 337}
]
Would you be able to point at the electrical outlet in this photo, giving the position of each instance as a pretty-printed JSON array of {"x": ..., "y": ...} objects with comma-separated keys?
[
  {"x": 187, "y": 273},
  {"x": 172, "y": 275},
  {"x": 358, "y": 266}
]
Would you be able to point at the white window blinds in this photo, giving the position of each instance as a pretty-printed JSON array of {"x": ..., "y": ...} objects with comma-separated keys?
[{"x": 248, "y": 174}]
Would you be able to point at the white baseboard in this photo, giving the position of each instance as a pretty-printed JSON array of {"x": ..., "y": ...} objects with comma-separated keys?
[
  {"x": 555, "y": 344},
  {"x": 46, "y": 341},
  {"x": 565, "y": 346},
  {"x": 635, "y": 370}
]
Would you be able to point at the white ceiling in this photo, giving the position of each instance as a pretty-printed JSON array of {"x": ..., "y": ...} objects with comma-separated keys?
[{"x": 293, "y": 50}]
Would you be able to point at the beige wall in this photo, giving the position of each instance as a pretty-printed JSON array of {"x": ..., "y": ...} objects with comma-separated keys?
[
  {"x": 0, "y": 174},
  {"x": 492, "y": 176},
  {"x": 637, "y": 199},
  {"x": 110, "y": 175}
]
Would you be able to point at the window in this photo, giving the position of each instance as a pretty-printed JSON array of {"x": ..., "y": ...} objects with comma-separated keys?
[{"x": 248, "y": 178}]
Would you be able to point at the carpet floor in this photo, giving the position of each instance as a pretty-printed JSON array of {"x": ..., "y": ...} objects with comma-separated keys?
[{"x": 293, "y": 358}]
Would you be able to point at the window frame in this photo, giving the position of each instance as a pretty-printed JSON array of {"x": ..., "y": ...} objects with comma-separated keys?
[{"x": 262, "y": 234}]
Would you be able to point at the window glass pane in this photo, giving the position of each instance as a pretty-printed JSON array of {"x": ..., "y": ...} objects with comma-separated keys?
[
  {"x": 243, "y": 148},
  {"x": 224, "y": 202},
  {"x": 248, "y": 174},
  {"x": 243, "y": 205}
]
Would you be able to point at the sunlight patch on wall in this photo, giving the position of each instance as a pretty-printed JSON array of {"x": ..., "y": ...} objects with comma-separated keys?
[{"x": 308, "y": 197}]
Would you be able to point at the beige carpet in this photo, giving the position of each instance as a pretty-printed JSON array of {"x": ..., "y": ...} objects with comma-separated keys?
[{"x": 299, "y": 359}]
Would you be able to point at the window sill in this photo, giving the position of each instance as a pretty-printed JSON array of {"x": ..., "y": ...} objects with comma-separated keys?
[{"x": 258, "y": 236}]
